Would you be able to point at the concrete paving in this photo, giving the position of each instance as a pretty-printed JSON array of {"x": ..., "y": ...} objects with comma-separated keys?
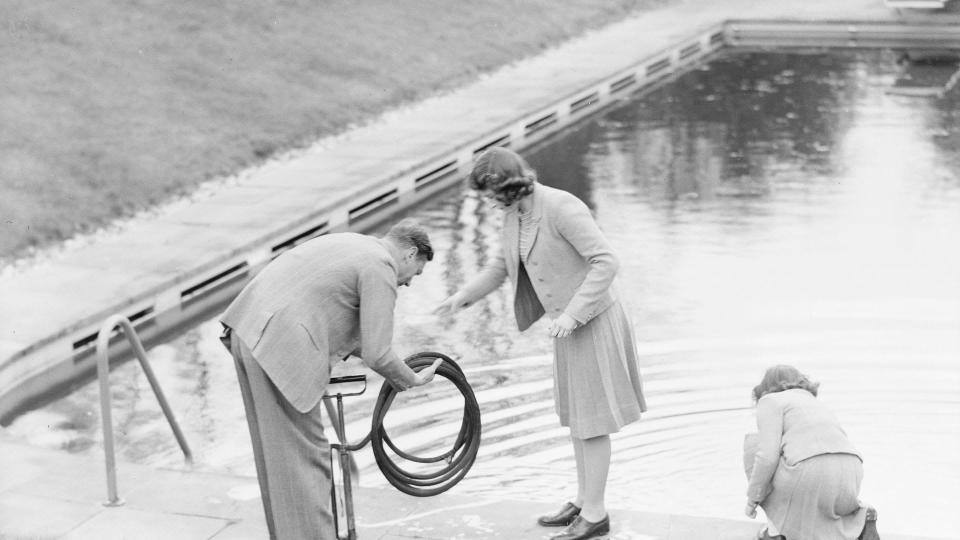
[
  {"x": 45, "y": 494},
  {"x": 51, "y": 494}
]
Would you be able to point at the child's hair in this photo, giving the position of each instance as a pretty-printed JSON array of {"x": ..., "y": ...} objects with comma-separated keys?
[{"x": 783, "y": 377}]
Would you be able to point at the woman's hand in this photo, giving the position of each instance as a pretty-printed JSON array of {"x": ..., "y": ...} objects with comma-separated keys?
[
  {"x": 563, "y": 326},
  {"x": 453, "y": 303},
  {"x": 751, "y": 509}
]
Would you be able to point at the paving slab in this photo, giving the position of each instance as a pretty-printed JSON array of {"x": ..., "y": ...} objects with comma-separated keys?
[
  {"x": 242, "y": 530},
  {"x": 163, "y": 491},
  {"x": 30, "y": 516},
  {"x": 128, "y": 523}
]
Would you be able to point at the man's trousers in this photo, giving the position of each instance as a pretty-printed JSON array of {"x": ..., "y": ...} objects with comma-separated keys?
[{"x": 291, "y": 453}]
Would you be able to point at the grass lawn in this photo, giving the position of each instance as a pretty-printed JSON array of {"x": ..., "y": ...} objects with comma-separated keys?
[{"x": 110, "y": 106}]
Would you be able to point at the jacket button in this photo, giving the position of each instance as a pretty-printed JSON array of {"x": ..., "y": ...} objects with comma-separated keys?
[{"x": 540, "y": 279}]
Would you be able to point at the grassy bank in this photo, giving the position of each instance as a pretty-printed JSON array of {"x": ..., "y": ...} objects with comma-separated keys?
[{"x": 108, "y": 107}]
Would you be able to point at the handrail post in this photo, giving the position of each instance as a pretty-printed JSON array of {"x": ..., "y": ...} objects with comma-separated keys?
[
  {"x": 103, "y": 374},
  {"x": 106, "y": 418}
]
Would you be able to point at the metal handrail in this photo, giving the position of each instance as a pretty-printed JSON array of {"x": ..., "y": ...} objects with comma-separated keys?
[{"x": 103, "y": 374}]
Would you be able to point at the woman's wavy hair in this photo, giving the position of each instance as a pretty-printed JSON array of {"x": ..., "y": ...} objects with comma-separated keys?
[
  {"x": 783, "y": 377},
  {"x": 503, "y": 173}
]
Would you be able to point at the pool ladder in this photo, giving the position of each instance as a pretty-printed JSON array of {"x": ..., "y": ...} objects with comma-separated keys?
[{"x": 103, "y": 374}]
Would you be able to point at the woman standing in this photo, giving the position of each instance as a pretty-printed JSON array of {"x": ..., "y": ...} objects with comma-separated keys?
[
  {"x": 560, "y": 265},
  {"x": 803, "y": 471}
]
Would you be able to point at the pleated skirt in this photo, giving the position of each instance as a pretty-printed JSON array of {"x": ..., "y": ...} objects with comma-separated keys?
[
  {"x": 597, "y": 385},
  {"x": 817, "y": 499}
]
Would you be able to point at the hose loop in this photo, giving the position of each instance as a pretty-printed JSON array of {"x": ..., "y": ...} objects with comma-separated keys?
[{"x": 458, "y": 459}]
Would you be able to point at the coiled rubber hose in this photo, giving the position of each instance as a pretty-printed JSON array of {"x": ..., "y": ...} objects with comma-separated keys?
[{"x": 459, "y": 459}]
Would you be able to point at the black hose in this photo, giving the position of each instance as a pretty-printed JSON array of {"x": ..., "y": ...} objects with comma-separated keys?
[{"x": 459, "y": 459}]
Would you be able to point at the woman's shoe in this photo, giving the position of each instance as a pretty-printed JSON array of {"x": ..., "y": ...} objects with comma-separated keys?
[
  {"x": 764, "y": 534},
  {"x": 564, "y": 517},
  {"x": 870, "y": 527},
  {"x": 582, "y": 529}
]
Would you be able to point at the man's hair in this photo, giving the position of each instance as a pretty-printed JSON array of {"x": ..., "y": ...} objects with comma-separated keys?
[{"x": 408, "y": 233}]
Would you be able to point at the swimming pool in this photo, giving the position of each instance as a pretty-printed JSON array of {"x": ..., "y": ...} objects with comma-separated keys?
[{"x": 767, "y": 208}]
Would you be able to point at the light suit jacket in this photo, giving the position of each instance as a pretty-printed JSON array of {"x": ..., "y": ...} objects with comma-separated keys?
[
  {"x": 317, "y": 303},
  {"x": 570, "y": 264}
]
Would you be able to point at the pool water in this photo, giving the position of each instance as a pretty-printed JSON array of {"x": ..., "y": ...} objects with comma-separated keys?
[{"x": 767, "y": 208}]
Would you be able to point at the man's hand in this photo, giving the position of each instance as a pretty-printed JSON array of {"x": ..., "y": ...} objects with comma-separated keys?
[
  {"x": 751, "y": 509},
  {"x": 453, "y": 303},
  {"x": 563, "y": 326},
  {"x": 426, "y": 374}
]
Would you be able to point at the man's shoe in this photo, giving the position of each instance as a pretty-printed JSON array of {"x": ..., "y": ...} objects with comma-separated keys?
[
  {"x": 582, "y": 529},
  {"x": 564, "y": 517},
  {"x": 870, "y": 527},
  {"x": 764, "y": 534}
]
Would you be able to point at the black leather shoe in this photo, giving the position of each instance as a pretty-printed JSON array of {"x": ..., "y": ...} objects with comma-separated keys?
[
  {"x": 564, "y": 517},
  {"x": 870, "y": 526},
  {"x": 764, "y": 534},
  {"x": 582, "y": 529}
]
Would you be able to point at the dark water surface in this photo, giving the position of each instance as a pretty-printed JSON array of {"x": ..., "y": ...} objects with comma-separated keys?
[{"x": 768, "y": 208}]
